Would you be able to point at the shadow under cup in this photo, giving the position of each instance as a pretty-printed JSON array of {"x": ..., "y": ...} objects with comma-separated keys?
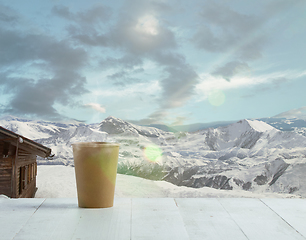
[{"x": 95, "y": 171}]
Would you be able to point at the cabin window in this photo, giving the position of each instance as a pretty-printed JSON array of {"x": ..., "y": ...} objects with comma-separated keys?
[
  {"x": 6, "y": 147},
  {"x": 35, "y": 169},
  {"x": 26, "y": 175},
  {"x": 21, "y": 179},
  {"x": 29, "y": 173}
]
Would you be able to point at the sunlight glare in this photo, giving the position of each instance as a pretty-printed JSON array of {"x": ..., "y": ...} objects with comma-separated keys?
[
  {"x": 153, "y": 153},
  {"x": 148, "y": 25},
  {"x": 216, "y": 98}
]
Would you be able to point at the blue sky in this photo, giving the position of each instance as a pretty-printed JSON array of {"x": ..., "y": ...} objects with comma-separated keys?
[{"x": 162, "y": 61}]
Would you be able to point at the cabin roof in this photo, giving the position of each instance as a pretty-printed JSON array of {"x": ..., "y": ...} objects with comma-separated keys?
[{"x": 24, "y": 143}]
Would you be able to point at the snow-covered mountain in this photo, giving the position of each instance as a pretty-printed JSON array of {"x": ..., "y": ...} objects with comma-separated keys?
[
  {"x": 284, "y": 124},
  {"x": 287, "y": 124},
  {"x": 249, "y": 154},
  {"x": 35, "y": 129},
  {"x": 114, "y": 125}
]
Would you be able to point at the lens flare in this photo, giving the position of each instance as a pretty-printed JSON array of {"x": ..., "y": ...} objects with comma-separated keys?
[
  {"x": 216, "y": 98},
  {"x": 147, "y": 24},
  {"x": 153, "y": 153}
]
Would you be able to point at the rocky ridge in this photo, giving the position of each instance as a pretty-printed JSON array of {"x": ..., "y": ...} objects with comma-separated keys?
[{"x": 248, "y": 155}]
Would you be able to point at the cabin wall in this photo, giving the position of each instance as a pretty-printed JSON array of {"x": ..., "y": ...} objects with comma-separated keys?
[
  {"x": 25, "y": 167},
  {"x": 26, "y": 174},
  {"x": 6, "y": 169},
  {"x": 27, "y": 180},
  {"x": 5, "y": 176}
]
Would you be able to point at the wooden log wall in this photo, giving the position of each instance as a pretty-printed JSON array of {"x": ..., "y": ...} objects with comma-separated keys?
[
  {"x": 5, "y": 176},
  {"x": 25, "y": 158},
  {"x": 25, "y": 168},
  {"x": 5, "y": 171},
  {"x": 27, "y": 171},
  {"x": 27, "y": 180}
]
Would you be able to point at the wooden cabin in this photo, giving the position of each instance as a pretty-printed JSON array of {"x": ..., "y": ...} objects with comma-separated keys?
[{"x": 18, "y": 165}]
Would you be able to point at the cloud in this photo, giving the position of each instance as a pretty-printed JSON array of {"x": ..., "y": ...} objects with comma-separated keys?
[
  {"x": 123, "y": 44},
  {"x": 141, "y": 34},
  {"x": 123, "y": 78},
  {"x": 179, "y": 121},
  {"x": 179, "y": 82},
  {"x": 223, "y": 29},
  {"x": 95, "y": 106},
  {"x": 86, "y": 27},
  {"x": 20, "y": 47},
  {"x": 38, "y": 71},
  {"x": 276, "y": 6},
  {"x": 162, "y": 117},
  {"x": 170, "y": 59},
  {"x": 118, "y": 75},
  {"x": 126, "y": 62},
  {"x": 231, "y": 69},
  {"x": 178, "y": 86},
  {"x": 210, "y": 83},
  {"x": 8, "y": 15},
  {"x": 157, "y": 117},
  {"x": 31, "y": 99},
  {"x": 293, "y": 113},
  {"x": 37, "y": 97},
  {"x": 93, "y": 15},
  {"x": 139, "y": 30}
]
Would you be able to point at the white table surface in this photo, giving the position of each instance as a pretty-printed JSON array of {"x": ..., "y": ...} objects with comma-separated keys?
[{"x": 154, "y": 218}]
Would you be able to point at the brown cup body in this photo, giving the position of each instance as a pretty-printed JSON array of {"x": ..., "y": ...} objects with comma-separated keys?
[{"x": 95, "y": 171}]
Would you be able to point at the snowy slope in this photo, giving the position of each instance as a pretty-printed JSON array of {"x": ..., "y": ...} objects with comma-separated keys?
[
  {"x": 33, "y": 129},
  {"x": 287, "y": 124},
  {"x": 59, "y": 182},
  {"x": 243, "y": 134},
  {"x": 114, "y": 125},
  {"x": 249, "y": 155}
]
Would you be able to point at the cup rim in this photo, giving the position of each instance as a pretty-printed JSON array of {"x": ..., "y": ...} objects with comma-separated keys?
[{"x": 95, "y": 144}]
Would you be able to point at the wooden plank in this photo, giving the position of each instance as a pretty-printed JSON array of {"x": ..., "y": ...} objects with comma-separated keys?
[
  {"x": 28, "y": 191},
  {"x": 108, "y": 223},
  {"x": 14, "y": 215},
  {"x": 5, "y": 191},
  {"x": 149, "y": 218},
  {"x": 60, "y": 218},
  {"x": 157, "y": 218},
  {"x": 5, "y": 178},
  {"x": 6, "y": 162},
  {"x": 5, "y": 171},
  {"x": 258, "y": 221},
  {"x": 293, "y": 211},
  {"x": 205, "y": 218},
  {"x": 24, "y": 162},
  {"x": 6, "y": 184},
  {"x": 56, "y": 219}
]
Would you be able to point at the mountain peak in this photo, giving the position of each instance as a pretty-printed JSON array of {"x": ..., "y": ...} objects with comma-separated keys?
[
  {"x": 113, "y": 125},
  {"x": 242, "y": 134},
  {"x": 112, "y": 118},
  {"x": 13, "y": 118},
  {"x": 258, "y": 126}
]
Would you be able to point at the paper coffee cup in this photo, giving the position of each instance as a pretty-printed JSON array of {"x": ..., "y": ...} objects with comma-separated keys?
[{"x": 95, "y": 171}]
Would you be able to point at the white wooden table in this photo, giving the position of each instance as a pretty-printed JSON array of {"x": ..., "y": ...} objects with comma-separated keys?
[{"x": 154, "y": 218}]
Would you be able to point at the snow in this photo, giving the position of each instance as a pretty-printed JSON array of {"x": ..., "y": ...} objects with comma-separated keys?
[
  {"x": 59, "y": 182},
  {"x": 246, "y": 158},
  {"x": 260, "y": 126}
]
